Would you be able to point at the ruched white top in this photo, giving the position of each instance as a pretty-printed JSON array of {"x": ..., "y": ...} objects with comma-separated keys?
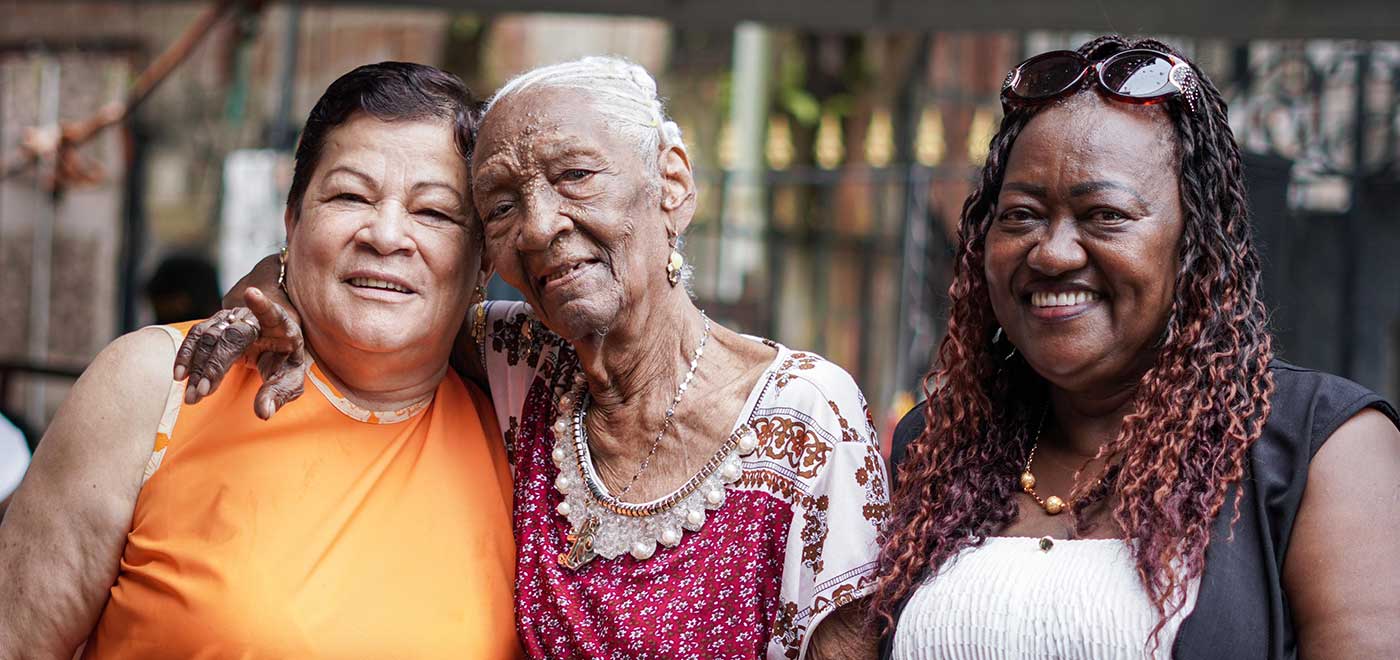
[{"x": 1081, "y": 599}]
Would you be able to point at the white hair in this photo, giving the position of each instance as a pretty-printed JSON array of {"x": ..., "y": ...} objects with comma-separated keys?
[
  {"x": 625, "y": 94},
  {"x": 622, "y": 91}
]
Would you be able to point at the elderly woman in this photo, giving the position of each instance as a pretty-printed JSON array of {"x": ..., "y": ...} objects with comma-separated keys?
[
  {"x": 1111, "y": 463},
  {"x": 371, "y": 520},
  {"x": 681, "y": 490}
]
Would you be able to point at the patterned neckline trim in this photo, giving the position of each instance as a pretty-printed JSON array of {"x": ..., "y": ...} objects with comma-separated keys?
[
  {"x": 354, "y": 411},
  {"x": 604, "y": 526}
]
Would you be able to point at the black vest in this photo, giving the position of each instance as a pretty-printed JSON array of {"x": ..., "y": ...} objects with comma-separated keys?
[{"x": 1242, "y": 611}]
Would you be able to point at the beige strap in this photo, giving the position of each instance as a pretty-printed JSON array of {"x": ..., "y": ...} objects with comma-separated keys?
[{"x": 174, "y": 400}]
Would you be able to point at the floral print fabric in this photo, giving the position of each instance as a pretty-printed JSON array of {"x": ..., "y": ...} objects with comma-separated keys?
[{"x": 794, "y": 539}]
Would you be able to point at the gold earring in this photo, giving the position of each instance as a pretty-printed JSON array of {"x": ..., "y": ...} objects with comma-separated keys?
[
  {"x": 282, "y": 269},
  {"x": 673, "y": 268},
  {"x": 479, "y": 323}
]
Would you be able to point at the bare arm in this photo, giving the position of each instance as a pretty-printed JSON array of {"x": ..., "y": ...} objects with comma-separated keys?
[
  {"x": 63, "y": 536},
  {"x": 843, "y": 635},
  {"x": 1342, "y": 580}
]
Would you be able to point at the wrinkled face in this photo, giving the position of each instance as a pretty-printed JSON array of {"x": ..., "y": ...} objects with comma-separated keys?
[
  {"x": 1082, "y": 254},
  {"x": 382, "y": 256},
  {"x": 571, "y": 211}
]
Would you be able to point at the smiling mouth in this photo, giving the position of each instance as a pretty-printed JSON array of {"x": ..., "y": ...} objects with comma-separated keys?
[
  {"x": 562, "y": 273},
  {"x": 1048, "y": 299},
  {"x": 372, "y": 283}
]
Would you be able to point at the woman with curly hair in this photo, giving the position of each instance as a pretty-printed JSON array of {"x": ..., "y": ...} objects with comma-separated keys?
[{"x": 1111, "y": 462}]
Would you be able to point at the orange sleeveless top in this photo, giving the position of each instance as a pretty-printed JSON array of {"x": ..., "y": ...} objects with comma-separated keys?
[{"x": 329, "y": 531}]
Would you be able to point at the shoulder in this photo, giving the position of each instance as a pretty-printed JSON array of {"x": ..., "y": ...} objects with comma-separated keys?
[
  {"x": 465, "y": 398},
  {"x": 127, "y": 384},
  {"x": 1309, "y": 406},
  {"x": 502, "y": 309},
  {"x": 137, "y": 364},
  {"x": 515, "y": 338},
  {"x": 821, "y": 393},
  {"x": 105, "y": 429},
  {"x": 910, "y": 427}
]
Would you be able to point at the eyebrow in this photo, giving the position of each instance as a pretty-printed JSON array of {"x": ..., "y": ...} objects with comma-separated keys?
[
  {"x": 494, "y": 166},
  {"x": 1031, "y": 189},
  {"x": 369, "y": 181},
  {"x": 1091, "y": 187},
  {"x": 352, "y": 172},
  {"x": 436, "y": 184},
  {"x": 571, "y": 145}
]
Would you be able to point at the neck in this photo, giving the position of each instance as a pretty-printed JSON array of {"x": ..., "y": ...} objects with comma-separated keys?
[
  {"x": 379, "y": 381},
  {"x": 1088, "y": 420},
  {"x": 634, "y": 369}
]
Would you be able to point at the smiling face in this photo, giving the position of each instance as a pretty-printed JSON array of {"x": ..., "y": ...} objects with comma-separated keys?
[
  {"x": 1082, "y": 253},
  {"x": 572, "y": 210},
  {"x": 382, "y": 255}
]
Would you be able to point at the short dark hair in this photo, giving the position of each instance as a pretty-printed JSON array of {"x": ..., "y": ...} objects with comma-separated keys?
[{"x": 388, "y": 91}]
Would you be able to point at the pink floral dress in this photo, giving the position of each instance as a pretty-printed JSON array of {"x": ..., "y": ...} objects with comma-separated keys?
[{"x": 794, "y": 536}]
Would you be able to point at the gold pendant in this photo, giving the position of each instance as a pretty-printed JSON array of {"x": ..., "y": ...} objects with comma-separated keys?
[{"x": 581, "y": 545}]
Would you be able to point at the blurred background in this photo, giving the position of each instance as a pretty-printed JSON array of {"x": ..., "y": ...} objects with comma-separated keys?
[{"x": 145, "y": 149}]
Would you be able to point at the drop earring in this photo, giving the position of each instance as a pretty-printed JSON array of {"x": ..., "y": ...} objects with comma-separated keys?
[
  {"x": 996, "y": 339},
  {"x": 479, "y": 321},
  {"x": 282, "y": 269},
  {"x": 673, "y": 268}
]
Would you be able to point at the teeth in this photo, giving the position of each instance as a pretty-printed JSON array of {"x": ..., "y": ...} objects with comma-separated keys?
[
  {"x": 1066, "y": 299},
  {"x": 562, "y": 273},
  {"x": 377, "y": 284}
]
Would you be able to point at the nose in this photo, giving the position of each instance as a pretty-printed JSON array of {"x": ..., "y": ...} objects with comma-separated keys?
[
  {"x": 387, "y": 230},
  {"x": 542, "y": 222},
  {"x": 1058, "y": 251}
]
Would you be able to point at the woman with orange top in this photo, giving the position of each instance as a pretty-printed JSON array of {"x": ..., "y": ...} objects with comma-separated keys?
[{"x": 370, "y": 519}]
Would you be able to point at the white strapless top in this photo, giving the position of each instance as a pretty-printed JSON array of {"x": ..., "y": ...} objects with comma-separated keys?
[{"x": 1081, "y": 599}]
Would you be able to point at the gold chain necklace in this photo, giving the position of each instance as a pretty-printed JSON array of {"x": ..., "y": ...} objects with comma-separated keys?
[
  {"x": 1052, "y": 505},
  {"x": 669, "y": 419}
]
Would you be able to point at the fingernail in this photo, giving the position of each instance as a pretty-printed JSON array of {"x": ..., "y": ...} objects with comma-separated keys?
[
  {"x": 203, "y": 388},
  {"x": 179, "y": 372}
]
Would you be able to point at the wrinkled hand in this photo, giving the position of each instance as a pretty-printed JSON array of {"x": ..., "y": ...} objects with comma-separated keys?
[{"x": 263, "y": 333}]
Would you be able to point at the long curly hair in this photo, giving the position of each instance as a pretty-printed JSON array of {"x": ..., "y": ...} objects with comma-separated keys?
[{"x": 1195, "y": 412}]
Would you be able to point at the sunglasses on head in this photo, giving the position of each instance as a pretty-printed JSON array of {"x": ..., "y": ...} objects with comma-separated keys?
[{"x": 1140, "y": 76}]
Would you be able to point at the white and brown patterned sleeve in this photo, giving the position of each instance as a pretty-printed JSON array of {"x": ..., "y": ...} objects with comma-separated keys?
[
  {"x": 833, "y": 541},
  {"x": 515, "y": 350}
]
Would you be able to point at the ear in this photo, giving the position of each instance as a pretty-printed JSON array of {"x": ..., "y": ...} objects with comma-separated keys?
[
  {"x": 677, "y": 189},
  {"x": 484, "y": 275},
  {"x": 289, "y": 220}
]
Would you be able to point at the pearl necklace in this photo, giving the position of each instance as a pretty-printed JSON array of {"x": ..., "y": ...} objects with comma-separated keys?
[{"x": 604, "y": 525}]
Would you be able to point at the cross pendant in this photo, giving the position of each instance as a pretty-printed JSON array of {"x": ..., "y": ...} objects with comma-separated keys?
[{"x": 580, "y": 545}]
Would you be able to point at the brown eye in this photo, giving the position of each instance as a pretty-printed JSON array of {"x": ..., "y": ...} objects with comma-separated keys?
[
  {"x": 1016, "y": 216},
  {"x": 1107, "y": 216},
  {"x": 499, "y": 211}
]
